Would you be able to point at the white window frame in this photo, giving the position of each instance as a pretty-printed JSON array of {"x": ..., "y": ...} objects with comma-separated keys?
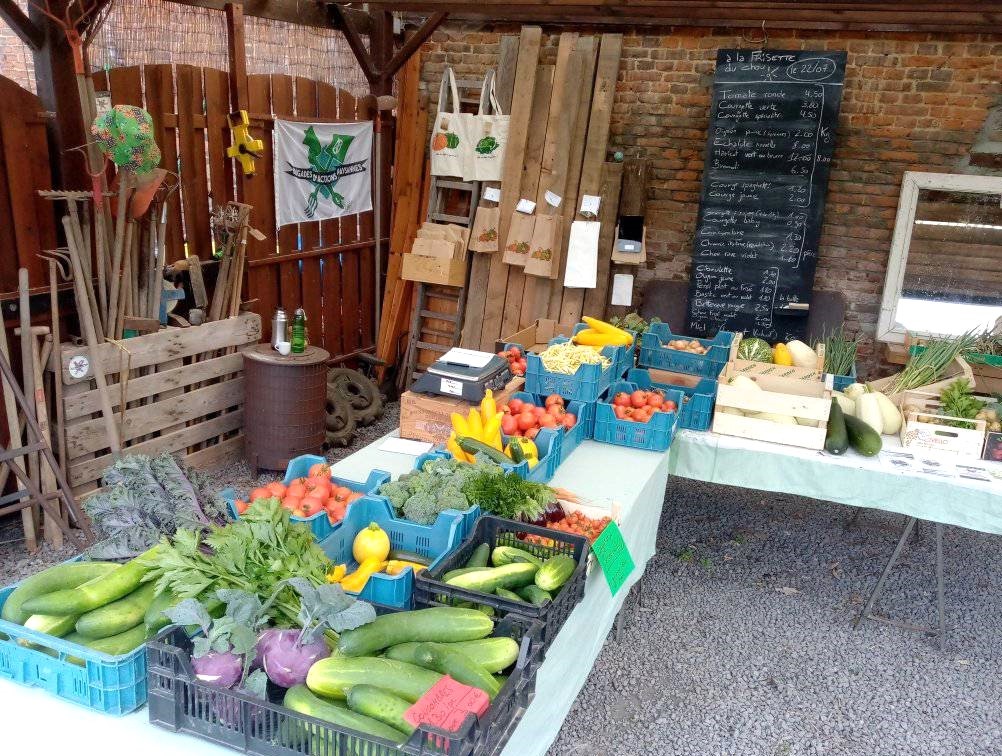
[{"x": 889, "y": 330}]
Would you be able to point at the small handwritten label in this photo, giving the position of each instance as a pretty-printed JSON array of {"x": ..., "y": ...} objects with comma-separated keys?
[
  {"x": 447, "y": 704},
  {"x": 450, "y": 386},
  {"x": 613, "y": 556},
  {"x": 492, "y": 194},
  {"x": 525, "y": 206},
  {"x": 553, "y": 199},
  {"x": 590, "y": 204}
]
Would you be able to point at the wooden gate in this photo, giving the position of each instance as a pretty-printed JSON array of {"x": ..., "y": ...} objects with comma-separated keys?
[{"x": 327, "y": 267}]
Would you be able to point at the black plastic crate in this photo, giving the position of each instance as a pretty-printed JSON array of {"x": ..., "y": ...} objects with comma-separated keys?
[
  {"x": 429, "y": 588},
  {"x": 180, "y": 702}
]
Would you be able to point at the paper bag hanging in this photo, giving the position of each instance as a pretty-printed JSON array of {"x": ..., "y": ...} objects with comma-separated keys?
[
  {"x": 582, "y": 255},
  {"x": 544, "y": 250},
  {"x": 484, "y": 234},
  {"x": 449, "y": 143},
  {"x": 488, "y": 136},
  {"x": 516, "y": 246}
]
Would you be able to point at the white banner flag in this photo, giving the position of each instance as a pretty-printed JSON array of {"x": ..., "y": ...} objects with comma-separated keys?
[{"x": 322, "y": 170}]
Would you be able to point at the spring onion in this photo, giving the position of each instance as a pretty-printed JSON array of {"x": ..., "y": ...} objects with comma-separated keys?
[
  {"x": 840, "y": 352},
  {"x": 928, "y": 365}
]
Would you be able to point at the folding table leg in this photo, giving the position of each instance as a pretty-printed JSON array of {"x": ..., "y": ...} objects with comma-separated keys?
[{"x": 865, "y": 614}]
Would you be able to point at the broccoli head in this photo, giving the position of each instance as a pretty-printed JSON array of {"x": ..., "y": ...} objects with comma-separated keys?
[
  {"x": 451, "y": 497},
  {"x": 397, "y": 492},
  {"x": 422, "y": 508}
]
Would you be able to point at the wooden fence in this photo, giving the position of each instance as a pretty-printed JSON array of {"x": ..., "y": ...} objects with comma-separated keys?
[{"x": 327, "y": 267}]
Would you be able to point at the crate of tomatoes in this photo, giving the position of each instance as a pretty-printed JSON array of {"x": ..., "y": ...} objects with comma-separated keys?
[
  {"x": 525, "y": 414},
  {"x": 515, "y": 355},
  {"x": 312, "y": 493},
  {"x": 630, "y": 416}
]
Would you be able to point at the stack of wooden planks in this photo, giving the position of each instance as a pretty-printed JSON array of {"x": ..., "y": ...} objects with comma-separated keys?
[{"x": 557, "y": 144}]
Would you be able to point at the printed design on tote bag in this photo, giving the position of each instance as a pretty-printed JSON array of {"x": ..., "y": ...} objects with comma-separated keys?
[
  {"x": 490, "y": 234},
  {"x": 445, "y": 140},
  {"x": 543, "y": 253},
  {"x": 327, "y": 167},
  {"x": 487, "y": 145}
]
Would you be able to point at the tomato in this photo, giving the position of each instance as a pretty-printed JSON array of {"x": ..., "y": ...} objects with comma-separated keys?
[
  {"x": 531, "y": 433},
  {"x": 509, "y": 425},
  {"x": 519, "y": 367},
  {"x": 547, "y": 421},
  {"x": 298, "y": 512},
  {"x": 341, "y": 493},
  {"x": 515, "y": 405},
  {"x": 526, "y": 420},
  {"x": 312, "y": 504},
  {"x": 642, "y": 415},
  {"x": 292, "y": 502},
  {"x": 240, "y": 505},
  {"x": 622, "y": 399},
  {"x": 259, "y": 493},
  {"x": 354, "y": 495},
  {"x": 638, "y": 398},
  {"x": 655, "y": 400},
  {"x": 277, "y": 488},
  {"x": 554, "y": 399},
  {"x": 557, "y": 410},
  {"x": 321, "y": 487},
  {"x": 619, "y": 411},
  {"x": 320, "y": 470},
  {"x": 569, "y": 420},
  {"x": 669, "y": 406},
  {"x": 297, "y": 490},
  {"x": 515, "y": 352}
]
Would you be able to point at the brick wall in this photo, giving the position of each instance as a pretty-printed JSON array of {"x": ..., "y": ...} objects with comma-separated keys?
[{"x": 911, "y": 102}]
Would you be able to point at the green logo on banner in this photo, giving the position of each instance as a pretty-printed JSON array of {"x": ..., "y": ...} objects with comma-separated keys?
[{"x": 327, "y": 167}]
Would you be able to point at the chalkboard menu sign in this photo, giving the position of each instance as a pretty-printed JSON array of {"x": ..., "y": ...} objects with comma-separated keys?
[{"x": 771, "y": 137}]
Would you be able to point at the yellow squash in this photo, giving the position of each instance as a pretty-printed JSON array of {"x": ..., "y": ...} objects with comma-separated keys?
[
  {"x": 371, "y": 543},
  {"x": 396, "y": 566},
  {"x": 781, "y": 355},
  {"x": 356, "y": 581}
]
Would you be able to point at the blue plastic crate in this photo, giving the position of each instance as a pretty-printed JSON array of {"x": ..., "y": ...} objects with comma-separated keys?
[
  {"x": 841, "y": 382},
  {"x": 585, "y": 413},
  {"x": 654, "y": 435},
  {"x": 108, "y": 684},
  {"x": 549, "y": 442},
  {"x": 586, "y": 385},
  {"x": 625, "y": 357},
  {"x": 434, "y": 541},
  {"x": 654, "y": 352},
  {"x": 319, "y": 523},
  {"x": 700, "y": 399}
]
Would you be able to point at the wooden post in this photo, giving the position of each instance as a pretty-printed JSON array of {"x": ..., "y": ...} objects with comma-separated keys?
[{"x": 237, "y": 56}]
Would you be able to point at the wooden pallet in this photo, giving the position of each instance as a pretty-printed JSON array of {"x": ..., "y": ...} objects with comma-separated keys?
[{"x": 191, "y": 395}]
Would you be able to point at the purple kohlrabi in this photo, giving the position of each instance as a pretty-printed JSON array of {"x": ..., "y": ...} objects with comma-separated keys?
[
  {"x": 218, "y": 669},
  {"x": 284, "y": 659}
]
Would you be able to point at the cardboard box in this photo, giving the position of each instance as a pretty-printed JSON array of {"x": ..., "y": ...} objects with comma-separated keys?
[
  {"x": 443, "y": 249},
  {"x": 535, "y": 337},
  {"x": 425, "y": 417},
  {"x": 434, "y": 270}
]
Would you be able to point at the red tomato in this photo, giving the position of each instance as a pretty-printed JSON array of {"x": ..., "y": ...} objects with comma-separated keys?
[
  {"x": 638, "y": 398},
  {"x": 531, "y": 433},
  {"x": 240, "y": 505},
  {"x": 538, "y": 412},
  {"x": 292, "y": 502},
  {"x": 259, "y": 493},
  {"x": 526, "y": 421},
  {"x": 277, "y": 488},
  {"x": 669, "y": 406},
  {"x": 655, "y": 400},
  {"x": 509, "y": 425},
  {"x": 320, "y": 470},
  {"x": 515, "y": 405},
  {"x": 569, "y": 420},
  {"x": 515, "y": 352},
  {"x": 554, "y": 399},
  {"x": 642, "y": 415},
  {"x": 547, "y": 421},
  {"x": 619, "y": 411},
  {"x": 341, "y": 493},
  {"x": 622, "y": 399},
  {"x": 311, "y": 505},
  {"x": 519, "y": 368},
  {"x": 321, "y": 487},
  {"x": 297, "y": 490},
  {"x": 298, "y": 512}
]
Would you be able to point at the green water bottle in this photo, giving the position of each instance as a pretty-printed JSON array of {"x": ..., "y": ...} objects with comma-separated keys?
[{"x": 299, "y": 332}]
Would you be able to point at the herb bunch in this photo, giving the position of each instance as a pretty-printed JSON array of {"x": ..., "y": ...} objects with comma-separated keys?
[{"x": 507, "y": 495}]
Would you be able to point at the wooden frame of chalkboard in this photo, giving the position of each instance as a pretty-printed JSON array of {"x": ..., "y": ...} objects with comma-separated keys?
[
  {"x": 888, "y": 328},
  {"x": 768, "y": 153}
]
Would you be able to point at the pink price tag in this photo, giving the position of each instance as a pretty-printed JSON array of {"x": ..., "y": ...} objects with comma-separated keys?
[{"x": 447, "y": 704}]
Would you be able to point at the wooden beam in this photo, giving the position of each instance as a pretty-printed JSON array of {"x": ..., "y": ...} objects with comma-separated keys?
[
  {"x": 413, "y": 43},
  {"x": 236, "y": 55},
  {"x": 343, "y": 21},
  {"x": 290, "y": 11},
  {"x": 22, "y": 26}
]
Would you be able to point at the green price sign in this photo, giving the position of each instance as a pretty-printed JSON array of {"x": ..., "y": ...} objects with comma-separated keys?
[{"x": 613, "y": 556}]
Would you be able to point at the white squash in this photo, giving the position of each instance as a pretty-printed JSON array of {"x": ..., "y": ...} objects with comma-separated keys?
[
  {"x": 774, "y": 417},
  {"x": 803, "y": 356},
  {"x": 868, "y": 410},
  {"x": 807, "y": 422},
  {"x": 847, "y": 405},
  {"x": 890, "y": 413},
  {"x": 854, "y": 391},
  {"x": 744, "y": 382},
  {"x": 730, "y": 411}
]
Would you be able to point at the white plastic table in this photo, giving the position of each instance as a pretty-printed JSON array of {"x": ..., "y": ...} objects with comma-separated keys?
[{"x": 635, "y": 479}]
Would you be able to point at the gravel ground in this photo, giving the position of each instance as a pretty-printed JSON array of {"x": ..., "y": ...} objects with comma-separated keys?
[{"x": 746, "y": 644}]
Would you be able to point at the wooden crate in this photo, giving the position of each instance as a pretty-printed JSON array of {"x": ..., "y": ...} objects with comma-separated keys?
[
  {"x": 918, "y": 432},
  {"x": 960, "y": 369},
  {"x": 185, "y": 391},
  {"x": 425, "y": 417},
  {"x": 753, "y": 369},
  {"x": 783, "y": 395}
]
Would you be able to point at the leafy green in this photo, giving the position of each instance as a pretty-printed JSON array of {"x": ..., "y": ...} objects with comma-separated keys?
[
  {"x": 633, "y": 322},
  {"x": 328, "y": 606},
  {"x": 957, "y": 401},
  {"x": 505, "y": 494}
]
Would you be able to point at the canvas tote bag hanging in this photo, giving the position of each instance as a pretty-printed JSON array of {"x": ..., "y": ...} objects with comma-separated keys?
[
  {"x": 488, "y": 137},
  {"x": 449, "y": 143}
]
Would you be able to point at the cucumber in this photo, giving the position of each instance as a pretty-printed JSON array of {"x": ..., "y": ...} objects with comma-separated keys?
[
  {"x": 555, "y": 571},
  {"x": 862, "y": 438},
  {"x": 472, "y": 446},
  {"x": 517, "y": 452},
  {"x": 457, "y": 665},
  {"x": 461, "y": 571},
  {"x": 408, "y": 556},
  {"x": 506, "y": 594},
  {"x": 535, "y": 595},
  {"x": 493, "y": 654},
  {"x": 49, "y": 624},
  {"x": 444, "y": 624},
  {"x": 379, "y": 704},
  {"x": 479, "y": 556},
  {"x": 56, "y": 578},
  {"x": 334, "y": 676},
  {"x": 118, "y": 616},
  {"x": 836, "y": 437},
  {"x": 503, "y": 555},
  {"x": 114, "y": 645},
  {"x": 300, "y": 699},
  {"x": 114, "y": 585},
  {"x": 511, "y": 576}
]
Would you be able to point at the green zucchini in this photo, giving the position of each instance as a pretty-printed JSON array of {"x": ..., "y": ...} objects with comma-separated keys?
[
  {"x": 334, "y": 676},
  {"x": 517, "y": 452},
  {"x": 114, "y": 645},
  {"x": 473, "y": 446},
  {"x": 103, "y": 590},
  {"x": 510, "y": 595},
  {"x": 49, "y": 624},
  {"x": 862, "y": 438},
  {"x": 457, "y": 665},
  {"x": 382, "y": 705},
  {"x": 118, "y": 616},
  {"x": 535, "y": 595},
  {"x": 461, "y": 571},
  {"x": 300, "y": 699},
  {"x": 444, "y": 624},
  {"x": 62, "y": 576},
  {"x": 503, "y": 555},
  {"x": 836, "y": 437},
  {"x": 510, "y": 576},
  {"x": 493, "y": 654},
  {"x": 555, "y": 571},
  {"x": 408, "y": 556},
  {"x": 479, "y": 556}
]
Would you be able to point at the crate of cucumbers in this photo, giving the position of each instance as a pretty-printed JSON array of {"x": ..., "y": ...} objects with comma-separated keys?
[
  {"x": 356, "y": 699},
  {"x": 78, "y": 630},
  {"x": 512, "y": 568}
]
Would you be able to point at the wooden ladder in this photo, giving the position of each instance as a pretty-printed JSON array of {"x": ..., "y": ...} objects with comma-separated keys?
[{"x": 438, "y": 330}]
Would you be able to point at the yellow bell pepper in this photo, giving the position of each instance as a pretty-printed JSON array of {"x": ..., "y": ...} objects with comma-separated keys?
[
  {"x": 488, "y": 408},
  {"x": 396, "y": 566},
  {"x": 336, "y": 574},
  {"x": 356, "y": 581}
]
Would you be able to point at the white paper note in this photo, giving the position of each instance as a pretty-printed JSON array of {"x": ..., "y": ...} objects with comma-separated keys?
[
  {"x": 451, "y": 387},
  {"x": 622, "y": 289},
  {"x": 405, "y": 446},
  {"x": 492, "y": 194},
  {"x": 582, "y": 255},
  {"x": 553, "y": 198},
  {"x": 590, "y": 204},
  {"x": 525, "y": 206}
]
